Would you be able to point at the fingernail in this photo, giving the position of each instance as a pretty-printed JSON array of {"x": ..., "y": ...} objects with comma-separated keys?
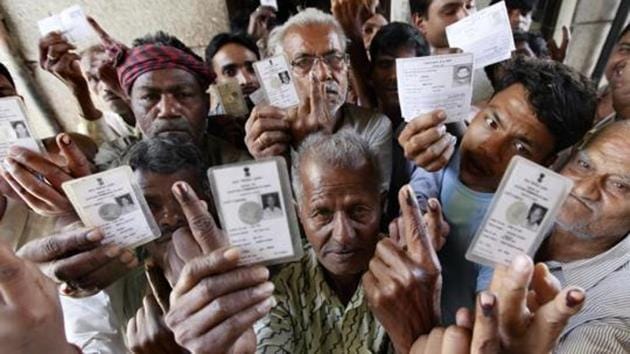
[
  {"x": 262, "y": 273},
  {"x": 487, "y": 302},
  {"x": 65, "y": 139},
  {"x": 182, "y": 190},
  {"x": 442, "y": 130},
  {"x": 126, "y": 257},
  {"x": 521, "y": 263},
  {"x": 453, "y": 139},
  {"x": 411, "y": 198},
  {"x": 94, "y": 235},
  {"x": 575, "y": 297},
  {"x": 433, "y": 204},
  {"x": 112, "y": 251},
  {"x": 266, "y": 305},
  {"x": 232, "y": 254},
  {"x": 265, "y": 289},
  {"x": 442, "y": 115}
]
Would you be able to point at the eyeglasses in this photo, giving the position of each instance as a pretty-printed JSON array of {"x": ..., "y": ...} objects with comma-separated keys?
[{"x": 335, "y": 61}]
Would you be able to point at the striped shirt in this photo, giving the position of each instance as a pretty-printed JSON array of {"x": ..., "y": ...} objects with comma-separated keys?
[
  {"x": 603, "y": 325},
  {"x": 309, "y": 318}
]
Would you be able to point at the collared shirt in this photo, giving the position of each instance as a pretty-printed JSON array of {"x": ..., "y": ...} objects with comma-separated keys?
[
  {"x": 110, "y": 126},
  {"x": 603, "y": 324},
  {"x": 310, "y": 318},
  {"x": 20, "y": 225}
]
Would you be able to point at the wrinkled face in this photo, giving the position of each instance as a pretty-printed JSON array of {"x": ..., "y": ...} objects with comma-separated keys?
[
  {"x": 306, "y": 42},
  {"x": 507, "y": 127},
  {"x": 383, "y": 75},
  {"x": 93, "y": 66},
  {"x": 235, "y": 62},
  {"x": 599, "y": 204},
  {"x": 6, "y": 89},
  {"x": 520, "y": 20},
  {"x": 371, "y": 27},
  {"x": 161, "y": 201},
  {"x": 340, "y": 211},
  {"x": 620, "y": 53},
  {"x": 170, "y": 102},
  {"x": 440, "y": 14}
]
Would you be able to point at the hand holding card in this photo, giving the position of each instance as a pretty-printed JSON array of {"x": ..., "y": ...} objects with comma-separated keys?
[
  {"x": 72, "y": 23},
  {"x": 14, "y": 127}
]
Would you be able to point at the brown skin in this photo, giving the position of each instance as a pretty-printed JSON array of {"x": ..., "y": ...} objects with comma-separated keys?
[
  {"x": 440, "y": 14},
  {"x": 340, "y": 214},
  {"x": 148, "y": 334},
  {"x": 620, "y": 88},
  {"x": 519, "y": 20},
  {"x": 620, "y": 53},
  {"x": 595, "y": 216},
  {"x": 6, "y": 89},
  {"x": 234, "y": 61},
  {"x": 384, "y": 84},
  {"x": 170, "y": 102},
  {"x": 371, "y": 27},
  {"x": 507, "y": 127}
]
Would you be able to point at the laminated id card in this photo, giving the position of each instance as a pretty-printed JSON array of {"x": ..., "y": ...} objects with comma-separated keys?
[
  {"x": 14, "y": 127},
  {"x": 111, "y": 201},
  {"x": 73, "y": 24},
  {"x": 253, "y": 200},
  {"x": 275, "y": 79},
  {"x": 521, "y": 214}
]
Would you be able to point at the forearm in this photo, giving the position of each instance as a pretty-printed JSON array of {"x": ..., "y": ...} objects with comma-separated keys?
[{"x": 87, "y": 109}]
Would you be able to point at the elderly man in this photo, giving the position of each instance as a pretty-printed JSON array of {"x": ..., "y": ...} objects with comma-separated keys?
[
  {"x": 315, "y": 45},
  {"x": 542, "y": 107}
]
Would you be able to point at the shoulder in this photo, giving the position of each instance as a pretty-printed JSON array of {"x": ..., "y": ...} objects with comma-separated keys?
[
  {"x": 597, "y": 336},
  {"x": 367, "y": 117}
]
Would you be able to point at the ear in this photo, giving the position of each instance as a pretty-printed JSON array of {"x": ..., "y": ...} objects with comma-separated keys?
[{"x": 420, "y": 23}]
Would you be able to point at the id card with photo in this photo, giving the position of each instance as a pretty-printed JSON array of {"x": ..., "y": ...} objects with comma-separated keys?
[
  {"x": 270, "y": 3},
  {"x": 14, "y": 127},
  {"x": 274, "y": 75},
  {"x": 487, "y": 34},
  {"x": 254, "y": 204},
  {"x": 435, "y": 82},
  {"x": 73, "y": 24},
  {"x": 232, "y": 100},
  {"x": 521, "y": 214},
  {"x": 112, "y": 202}
]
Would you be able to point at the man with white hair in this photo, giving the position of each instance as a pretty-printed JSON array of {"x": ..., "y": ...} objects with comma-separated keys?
[{"x": 315, "y": 45}]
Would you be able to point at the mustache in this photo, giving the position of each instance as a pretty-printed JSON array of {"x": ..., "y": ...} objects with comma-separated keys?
[
  {"x": 338, "y": 248},
  {"x": 171, "y": 124},
  {"x": 583, "y": 201}
]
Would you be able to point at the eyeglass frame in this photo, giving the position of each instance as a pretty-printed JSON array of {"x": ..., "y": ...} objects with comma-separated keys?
[{"x": 322, "y": 58}]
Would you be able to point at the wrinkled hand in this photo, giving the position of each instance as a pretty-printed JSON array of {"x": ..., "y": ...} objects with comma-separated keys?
[
  {"x": 426, "y": 142},
  {"x": 352, "y": 14},
  {"x": 559, "y": 53},
  {"x": 44, "y": 195},
  {"x": 403, "y": 286},
  {"x": 107, "y": 72},
  {"x": 78, "y": 261},
  {"x": 261, "y": 22},
  {"x": 147, "y": 333},
  {"x": 532, "y": 309},
  {"x": 56, "y": 57},
  {"x": 437, "y": 228},
  {"x": 313, "y": 114},
  {"x": 267, "y": 132},
  {"x": 31, "y": 320}
]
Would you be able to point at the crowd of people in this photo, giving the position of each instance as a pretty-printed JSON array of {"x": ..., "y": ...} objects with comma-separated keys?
[{"x": 386, "y": 208}]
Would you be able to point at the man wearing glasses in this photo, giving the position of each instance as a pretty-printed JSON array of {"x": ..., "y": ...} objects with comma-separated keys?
[{"x": 315, "y": 45}]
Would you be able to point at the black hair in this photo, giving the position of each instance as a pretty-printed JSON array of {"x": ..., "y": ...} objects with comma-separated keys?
[
  {"x": 420, "y": 7},
  {"x": 624, "y": 31},
  {"x": 396, "y": 35},
  {"x": 222, "y": 39},
  {"x": 524, "y": 6},
  {"x": 5, "y": 72},
  {"x": 536, "y": 43},
  {"x": 163, "y": 38},
  {"x": 166, "y": 156},
  {"x": 563, "y": 99}
]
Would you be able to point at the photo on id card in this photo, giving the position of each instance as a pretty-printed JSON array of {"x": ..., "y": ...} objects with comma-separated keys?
[
  {"x": 274, "y": 75},
  {"x": 14, "y": 127},
  {"x": 521, "y": 214},
  {"x": 254, "y": 203},
  {"x": 112, "y": 202}
]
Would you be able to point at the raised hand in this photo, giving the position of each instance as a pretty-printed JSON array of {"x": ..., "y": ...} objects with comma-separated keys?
[
  {"x": 56, "y": 57},
  {"x": 559, "y": 52},
  {"x": 313, "y": 114},
  {"x": 403, "y": 285},
  {"x": 267, "y": 132}
]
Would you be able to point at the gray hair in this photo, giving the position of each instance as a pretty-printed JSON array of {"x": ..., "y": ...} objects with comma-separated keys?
[
  {"x": 345, "y": 149},
  {"x": 309, "y": 16}
]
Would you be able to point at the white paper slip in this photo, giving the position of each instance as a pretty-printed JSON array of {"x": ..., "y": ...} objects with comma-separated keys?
[
  {"x": 253, "y": 200},
  {"x": 274, "y": 75},
  {"x": 14, "y": 127},
  {"x": 258, "y": 97},
  {"x": 73, "y": 24},
  {"x": 111, "y": 201},
  {"x": 521, "y": 214},
  {"x": 270, "y": 3},
  {"x": 231, "y": 98},
  {"x": 487, "y": 34},
  {"x": 400, "y": 11},
  {"x": 435, "y": 82}
]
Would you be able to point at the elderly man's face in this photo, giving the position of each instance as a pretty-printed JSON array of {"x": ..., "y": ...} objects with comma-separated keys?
[
  {"x": 507, "y": 127},
  {"x": 307, "y": 42},
  {"x": 170, "y": 102},
  {"x": 340, "y": 211},
  {"x": 234, "y": 61},
  {"x": 93, "y": 65},
  {"x": 598, "y": 207},
  {"x": 440, "y": 14}
]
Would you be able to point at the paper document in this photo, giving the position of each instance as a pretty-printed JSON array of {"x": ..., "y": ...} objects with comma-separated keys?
[
  {"x": 14, "y": 127},
  {"x": 73, "y": 24}
]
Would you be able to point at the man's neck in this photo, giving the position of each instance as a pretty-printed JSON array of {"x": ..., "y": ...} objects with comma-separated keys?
[
  {"x": 562, "y": 246},
  {"x": 3, "y": 206},
  {"x": 343, "y": 286}
]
